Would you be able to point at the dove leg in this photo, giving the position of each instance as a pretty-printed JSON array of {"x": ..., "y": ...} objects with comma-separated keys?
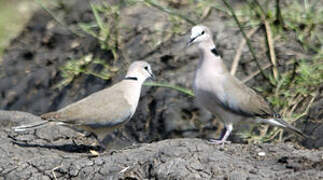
[{"x": 227, "y": 133}]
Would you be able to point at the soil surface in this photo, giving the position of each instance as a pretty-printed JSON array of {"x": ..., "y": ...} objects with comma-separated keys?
[
  {"x": 58, "y": 152},
  {"x": 31, "y": 70}
]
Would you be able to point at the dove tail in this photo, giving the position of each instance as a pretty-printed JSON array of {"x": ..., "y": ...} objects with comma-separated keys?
[
  {"x": 48, "y": 119},
  {"x": 281, "y": 123},
  {"x": 31, "y": 126}
]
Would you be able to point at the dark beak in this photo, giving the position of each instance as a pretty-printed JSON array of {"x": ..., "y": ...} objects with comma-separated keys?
[
  {"x": 152, "y": 76},
  {"x": 190, "y": 42}
]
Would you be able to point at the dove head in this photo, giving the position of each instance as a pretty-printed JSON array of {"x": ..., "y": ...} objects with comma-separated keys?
[
  {"x": 139, "y": 71},
  {"x": 200, "y": 34}
]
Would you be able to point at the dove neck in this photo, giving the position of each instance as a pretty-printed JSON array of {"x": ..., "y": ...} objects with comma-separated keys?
[
  {"x": 206, "y": 47},
  {"x": 131, "y": 78},
  {"x": 210, "y": 58},
  {"x": 135, "y": 77}
]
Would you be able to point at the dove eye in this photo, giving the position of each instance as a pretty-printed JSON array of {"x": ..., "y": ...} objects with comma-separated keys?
[{"x": 203, "y": 32}]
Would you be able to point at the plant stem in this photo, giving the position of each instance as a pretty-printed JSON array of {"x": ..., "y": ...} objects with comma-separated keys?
[
  {"x": 279, "y": 16},
  {"x": 180, "y": 89},
  {"x": 269, "y": 39},
  {"x": 247, "y": 39},
  {"x": 237, "y": 57}
]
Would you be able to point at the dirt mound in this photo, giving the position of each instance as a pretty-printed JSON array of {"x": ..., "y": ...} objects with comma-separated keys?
[
  {"x": 31, "y": 70},
  {"x": 46, "y": 154}
]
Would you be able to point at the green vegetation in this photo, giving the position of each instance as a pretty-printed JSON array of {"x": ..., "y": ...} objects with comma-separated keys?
[
  {"x": 293, "y": 92},
  {"x": 106, "y": 32},
  {"x": 73, "y": 68},
  {"x": 167, "y": 85}
]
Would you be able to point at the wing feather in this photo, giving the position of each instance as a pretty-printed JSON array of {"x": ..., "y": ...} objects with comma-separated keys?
[
  {"x": 244, "y": 101},
  {"x": 107, "y": 108}
]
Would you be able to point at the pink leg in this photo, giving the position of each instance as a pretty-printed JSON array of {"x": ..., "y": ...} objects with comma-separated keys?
[{"x": 226, "y": 135}]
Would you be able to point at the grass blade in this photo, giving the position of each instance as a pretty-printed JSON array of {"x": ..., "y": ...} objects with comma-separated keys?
[{"x": 166, "y": 85}]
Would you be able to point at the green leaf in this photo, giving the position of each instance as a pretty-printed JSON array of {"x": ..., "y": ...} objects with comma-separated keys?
[{"x": 180, "y": 89}]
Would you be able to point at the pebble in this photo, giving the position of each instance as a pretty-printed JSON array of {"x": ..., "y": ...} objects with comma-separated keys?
[{"x": 261, "y": 153}]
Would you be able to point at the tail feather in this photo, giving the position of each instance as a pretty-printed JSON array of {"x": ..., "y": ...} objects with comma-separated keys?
[
  {"x": 30, "y": 126},
  {"x": 281, "y": 123},
  {"x": 49, "y": 119}
]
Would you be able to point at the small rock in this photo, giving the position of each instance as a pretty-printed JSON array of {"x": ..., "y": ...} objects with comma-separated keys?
[{"x": 261, "y": 153}]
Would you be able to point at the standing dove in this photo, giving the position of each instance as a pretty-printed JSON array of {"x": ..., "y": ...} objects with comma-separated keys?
[
  {"x": 103, "y": 111},
  {"x": 223, "y": 94}
]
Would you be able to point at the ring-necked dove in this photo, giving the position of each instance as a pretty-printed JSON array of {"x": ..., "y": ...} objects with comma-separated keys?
[
  {"x": 223, "y": 94},
  {"x": 103, "y": 111}
]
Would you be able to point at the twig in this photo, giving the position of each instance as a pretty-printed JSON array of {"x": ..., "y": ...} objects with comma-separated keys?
[
  {"x": 252, "y": 75},
  {"x": 237, "y": 57},
  {"x": 307, "y": 108},
  {"x": 264, "y": 130},
  {"x": 206, "y": 13},
  {"x": 124, "y": 169},
  {"x": 270, "y": 41},
  {"x": 168, "y": 11},
  {"x": 247, "y": 39},
  {"x": 274, "y": 134},
  {"x": 281, "y": 135},
  {"x": 53, "y": 171},
  {"x": 297, "y": 100},
  {"x": 289, "y": 109}
]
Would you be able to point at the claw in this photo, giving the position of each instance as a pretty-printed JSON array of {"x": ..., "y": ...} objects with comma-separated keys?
[{"x": 221, "y": 141}]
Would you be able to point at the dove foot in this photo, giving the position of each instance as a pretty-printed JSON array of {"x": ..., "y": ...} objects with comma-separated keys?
[{"x": 221, "y": 141}]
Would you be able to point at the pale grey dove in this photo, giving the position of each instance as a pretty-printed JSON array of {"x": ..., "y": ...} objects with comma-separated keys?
[
  {"x": 103, "y": 111},
  {"x": 223, "y": 94}
]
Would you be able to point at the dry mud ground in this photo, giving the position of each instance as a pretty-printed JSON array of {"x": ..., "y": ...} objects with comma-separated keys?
[
  {"x": 58, "y": 152},
  {"x": 31, "y": 70}
]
